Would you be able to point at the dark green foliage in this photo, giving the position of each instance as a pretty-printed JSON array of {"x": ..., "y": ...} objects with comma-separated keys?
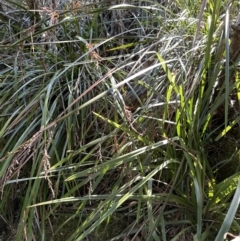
[{"x": 112, "y": 125}]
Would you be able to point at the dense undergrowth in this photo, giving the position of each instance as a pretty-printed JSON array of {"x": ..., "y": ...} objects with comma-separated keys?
[{"x": 112, "y": 125}]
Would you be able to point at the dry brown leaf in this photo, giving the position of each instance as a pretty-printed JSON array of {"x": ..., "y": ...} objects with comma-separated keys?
[
  {"x": 76, "y": 6},
  {"x": 93, "y": 54}
]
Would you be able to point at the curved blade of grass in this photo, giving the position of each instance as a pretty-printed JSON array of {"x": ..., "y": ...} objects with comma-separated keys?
[{"x": 230, "y": 214}]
